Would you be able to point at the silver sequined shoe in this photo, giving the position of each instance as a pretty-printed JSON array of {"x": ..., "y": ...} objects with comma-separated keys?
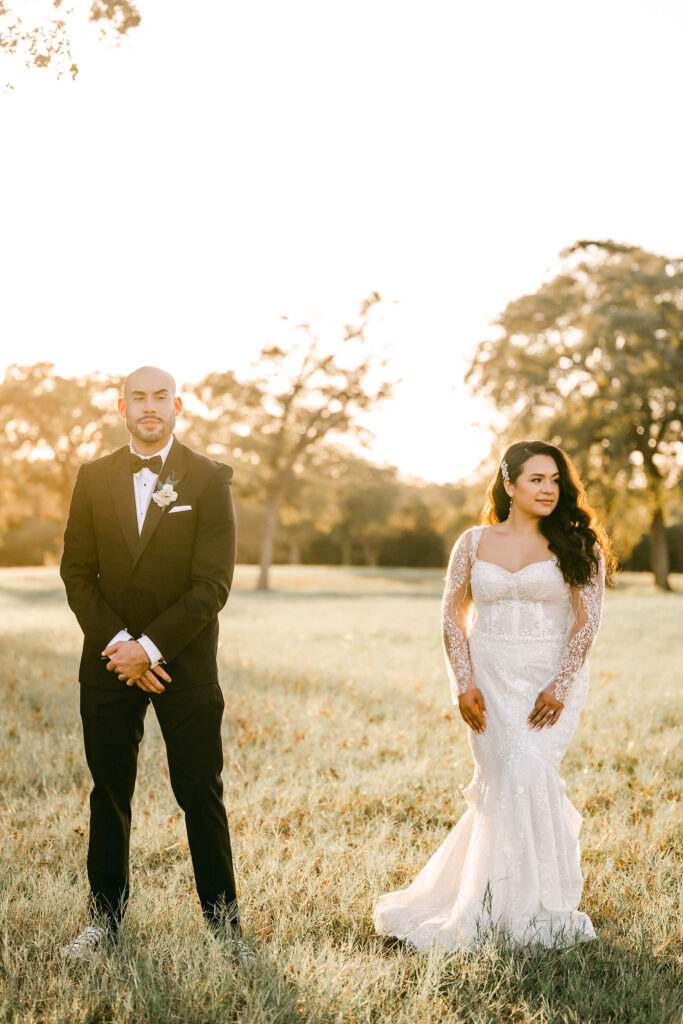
[
  {"x": 88, "y": 942},
  {"x": 244, "y": 952},
  {"x": 237, "y": 948}
]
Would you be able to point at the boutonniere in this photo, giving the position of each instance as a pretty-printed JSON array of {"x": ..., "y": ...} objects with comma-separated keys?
[{"x": 166, "y": 492}]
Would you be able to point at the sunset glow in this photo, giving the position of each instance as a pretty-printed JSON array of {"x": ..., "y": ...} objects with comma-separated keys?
[{"x": 230, "y": 165}]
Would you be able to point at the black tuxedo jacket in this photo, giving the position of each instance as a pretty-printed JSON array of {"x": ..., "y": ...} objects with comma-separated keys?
[{"x": 169, "y": 583}]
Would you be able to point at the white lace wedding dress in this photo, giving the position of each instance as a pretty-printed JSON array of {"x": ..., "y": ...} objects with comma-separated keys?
[{"x": 512, "y": 861}]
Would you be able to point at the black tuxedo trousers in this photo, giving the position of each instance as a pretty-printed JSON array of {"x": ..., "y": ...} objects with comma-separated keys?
[{"x": 113, "y": 725}]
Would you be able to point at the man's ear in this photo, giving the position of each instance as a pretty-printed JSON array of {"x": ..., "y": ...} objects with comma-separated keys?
[
  {"x": 122, "y": 408},
  {"x": 178, "y": 405}
]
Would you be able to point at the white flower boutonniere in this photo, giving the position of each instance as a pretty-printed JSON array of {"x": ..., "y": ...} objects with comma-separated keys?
[{"x": 165, "y": 493}]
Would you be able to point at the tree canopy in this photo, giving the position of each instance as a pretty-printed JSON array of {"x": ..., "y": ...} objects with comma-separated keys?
[
  {"x": 301, "y": 398},
  {"x": 40, "y": 32},
  {"x": 593, "y": 361},
  {"x": 50, "y": 424}
]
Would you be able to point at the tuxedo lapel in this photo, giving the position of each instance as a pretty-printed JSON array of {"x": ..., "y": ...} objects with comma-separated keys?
[
  {"x": 174, "y": 467},
  {"x": 123, "y": 495}
]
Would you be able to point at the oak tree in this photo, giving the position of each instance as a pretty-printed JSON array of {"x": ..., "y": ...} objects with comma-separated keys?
[
  {"x": 593, "y": 361},
  {"x": 302, "y": 398}
]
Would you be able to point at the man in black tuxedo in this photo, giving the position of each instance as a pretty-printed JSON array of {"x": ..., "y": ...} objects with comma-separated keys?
[{"x": 149, "y": 552}]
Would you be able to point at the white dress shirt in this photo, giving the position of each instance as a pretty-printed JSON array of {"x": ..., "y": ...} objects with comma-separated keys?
[{"x": 144, "y": 484}]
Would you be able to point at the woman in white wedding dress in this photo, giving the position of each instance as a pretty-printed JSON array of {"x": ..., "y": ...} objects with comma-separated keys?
[{"x": 521, "y": 608}]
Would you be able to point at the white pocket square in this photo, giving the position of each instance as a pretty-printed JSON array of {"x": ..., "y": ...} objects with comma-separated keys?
[{"x": 180, "y": 508}]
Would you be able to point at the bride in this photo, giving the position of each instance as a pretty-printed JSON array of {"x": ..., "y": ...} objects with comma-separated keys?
[{"x": 532, "y": 579}]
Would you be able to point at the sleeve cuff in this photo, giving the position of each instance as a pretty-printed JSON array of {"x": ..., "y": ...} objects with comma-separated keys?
[
  {"x": 122, "y": 634},
  {"x": 152, "y": 651}
]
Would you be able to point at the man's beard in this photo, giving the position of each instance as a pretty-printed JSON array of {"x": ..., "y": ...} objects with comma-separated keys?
[{"x": 163, "y": 428}]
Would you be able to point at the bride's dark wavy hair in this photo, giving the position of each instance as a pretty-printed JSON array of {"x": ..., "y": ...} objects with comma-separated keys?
[{"x": 572, "y": 529}]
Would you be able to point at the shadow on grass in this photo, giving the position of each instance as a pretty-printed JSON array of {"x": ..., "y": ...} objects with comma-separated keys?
[
  {"x": 338, "y": 595},
  {"x": 144, "y": 986},
  {"x": 28, "y": 596},
  {"x": 611, "y": 981},
  {"x": 34, "y": 595},
  {"x": 604, "y": 982}
]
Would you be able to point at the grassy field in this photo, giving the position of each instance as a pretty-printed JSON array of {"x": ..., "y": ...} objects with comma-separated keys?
[{"x": 344, "y": 762}]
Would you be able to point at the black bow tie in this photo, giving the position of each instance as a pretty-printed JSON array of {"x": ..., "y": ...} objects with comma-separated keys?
[{"x": 153, "y": 464}]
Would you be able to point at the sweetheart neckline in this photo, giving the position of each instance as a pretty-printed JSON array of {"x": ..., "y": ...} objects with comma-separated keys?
[{"x": 513, "y": 572}]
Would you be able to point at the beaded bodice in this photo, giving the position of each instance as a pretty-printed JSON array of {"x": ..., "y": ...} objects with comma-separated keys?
[{"x": 532, "y": 605}]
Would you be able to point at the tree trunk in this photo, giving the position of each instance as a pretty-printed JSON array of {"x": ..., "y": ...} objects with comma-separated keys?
[
  {"x": 659, "y": 552},
  {"x": 294, "y": 551},
  {"x": 371, "y": 552},
  {"x": 270, "y": 525},
  {"x": 346, "y": 549}
]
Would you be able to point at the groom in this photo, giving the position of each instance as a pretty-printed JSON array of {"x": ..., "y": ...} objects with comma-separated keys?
[{"x": 149, "y": 551}]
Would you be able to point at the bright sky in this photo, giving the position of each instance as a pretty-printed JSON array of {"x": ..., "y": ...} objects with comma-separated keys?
[{"x": 235, "y": 162}]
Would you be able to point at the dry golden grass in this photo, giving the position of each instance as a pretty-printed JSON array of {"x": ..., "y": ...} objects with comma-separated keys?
[{"x": 344, "y": 761}]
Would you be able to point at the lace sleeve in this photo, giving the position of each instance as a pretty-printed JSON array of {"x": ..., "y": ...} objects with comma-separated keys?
[
  {"x": 455, "y": 616},
  {"x": 587, "y": 608}
]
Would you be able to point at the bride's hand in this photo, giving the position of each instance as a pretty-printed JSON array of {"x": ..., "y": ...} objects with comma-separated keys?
[
  {"x": 547, "y": 710},
  {"x": 473, "y": 709}
]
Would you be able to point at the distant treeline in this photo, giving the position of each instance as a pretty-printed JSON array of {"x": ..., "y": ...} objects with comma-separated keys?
[
  {"x": 425, "y": 520},
  {"x": 592, "y": 361},
  {"x": 408, "y": 537},
  {"x": 334, "y": 505},
  {"x": 341, "y": 509}
]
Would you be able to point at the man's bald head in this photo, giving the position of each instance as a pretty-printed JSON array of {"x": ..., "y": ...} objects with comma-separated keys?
[
  {"x": 149, "y": 406},
  {"x": 149, "y": 378}
]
